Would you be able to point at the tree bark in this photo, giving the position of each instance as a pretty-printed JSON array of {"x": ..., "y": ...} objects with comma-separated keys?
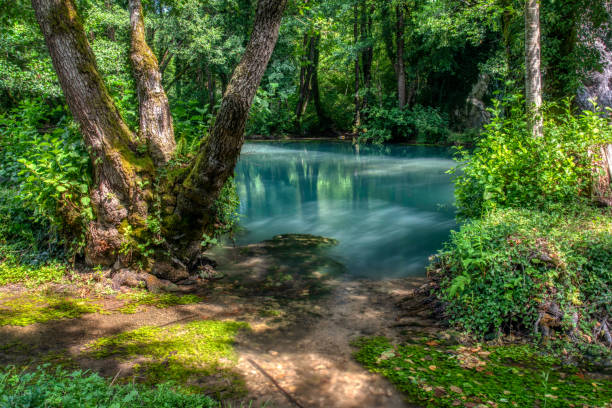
[
  {"x": 217, "y": 157},
  {"x": 367, "y": 52},
  {"x": 155, "y": 118},
  {"x": 399, "y": 54},
  {"x": 357, "y": 118},
  {"x": 306, "y": 75},
  {"x": 533, "y": 74},
  {"x": 116, "y": 195},
  {"x": 324, "y": 120},
  {"x": 210, "y": 79}
]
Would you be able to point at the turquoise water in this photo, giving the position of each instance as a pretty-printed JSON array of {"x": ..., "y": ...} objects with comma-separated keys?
[{"x": 390, "y": 207}]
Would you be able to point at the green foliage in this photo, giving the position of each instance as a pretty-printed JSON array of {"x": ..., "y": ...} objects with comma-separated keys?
[
  {"x": 45, "y": 174},
  {"x": 418, "y": 124},
  {"x": 510, "y": 168},
  {"x": 495, "y": 272},
  {"x": 60, "y": 388},
  {"x": 33, "y": 308},
  {"x": 180, "y": 353},
  {"x": 226, "y": 208},
  {"x": 435, "y": 375}
]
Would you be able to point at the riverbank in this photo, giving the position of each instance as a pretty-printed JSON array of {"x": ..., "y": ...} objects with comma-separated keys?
[{"x": 280, "y": 334}]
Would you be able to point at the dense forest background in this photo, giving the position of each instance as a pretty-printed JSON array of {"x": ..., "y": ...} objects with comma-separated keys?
[{"x": 415, "y": 71}]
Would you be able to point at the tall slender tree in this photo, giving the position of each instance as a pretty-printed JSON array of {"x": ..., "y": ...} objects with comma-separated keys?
[{"x": 533, "y": 73}]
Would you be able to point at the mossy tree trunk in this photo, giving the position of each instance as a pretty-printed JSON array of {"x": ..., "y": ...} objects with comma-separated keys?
[
  {"x": 216, "y": 159},
  {"x": 124, "y": 168},
  {"x": 154, "y": 111},
  {"x": 116, "y": 195}
]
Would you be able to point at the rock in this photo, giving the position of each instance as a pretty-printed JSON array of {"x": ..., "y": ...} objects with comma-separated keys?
[
  {"x": 170, "y": 271},
  {"x": 126, "y": 277},
  {"x": 153, "y": 284}
]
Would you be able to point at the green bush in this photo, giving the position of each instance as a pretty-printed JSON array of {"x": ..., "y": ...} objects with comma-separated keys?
[
  {"x": 44, "y": 176},
  {"x": 79, "y": 389},
  {"x": 510, "y": 168},
  {"x": 495, "y": 272},
  {"x": 419, "y": 124}
]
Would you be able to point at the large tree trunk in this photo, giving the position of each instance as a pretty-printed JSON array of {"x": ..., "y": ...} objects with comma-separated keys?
[
  {"x": 123, "y": 186},
  {"x": 533, "y": 74},
  {"x": 116, "y": 195},
  {"x": 155, "y": 119},
  {"x": 217, "y": 157}
]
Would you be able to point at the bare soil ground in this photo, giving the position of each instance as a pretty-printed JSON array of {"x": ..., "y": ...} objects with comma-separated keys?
[{"x": 298, "y": 353}]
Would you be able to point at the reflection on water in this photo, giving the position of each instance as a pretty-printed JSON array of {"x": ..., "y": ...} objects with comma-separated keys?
[{"x": 390, "y": 207}]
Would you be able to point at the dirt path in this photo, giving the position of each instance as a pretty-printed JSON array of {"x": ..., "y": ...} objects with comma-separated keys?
[
  {"x": 311, "y": 359},
  {"x": 298, "y": 353}
]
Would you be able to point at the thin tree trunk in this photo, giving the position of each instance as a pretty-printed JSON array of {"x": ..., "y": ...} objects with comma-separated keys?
[
  {"x": 306, "y": 75},
  {"x": 303, "y": 86},
  {"x": 357, "y": 118},
  {"x": 367, "y": 51},
  {"x": 211, "y": 89},
  {"x": 324, "y": 120},
  {"x": 116, "y": 195},
  {"x": 533, "y": 74},
  {"x": 110, "y": 30},
  {"x": 401, "y": 70},
  {"x": 217, "y": 157},
  {"x": 155, "y": 118}
]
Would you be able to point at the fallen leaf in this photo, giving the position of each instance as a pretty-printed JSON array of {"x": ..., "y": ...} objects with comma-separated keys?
[
  {"x": 456, "y": 389},
  {"x": 439, "y": 392},
  {"x": 432, "y": 343},
  {"x": 432, "y": 367}
]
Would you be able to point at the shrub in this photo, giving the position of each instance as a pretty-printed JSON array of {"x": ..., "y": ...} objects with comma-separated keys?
[
  {"x": 79, "y": 389},
  {"x": 496, "y": 273},
  {"x": 45, "y": 175},
  {"x": 419, "y": 124},
  {"x": 510, "y": 168}
]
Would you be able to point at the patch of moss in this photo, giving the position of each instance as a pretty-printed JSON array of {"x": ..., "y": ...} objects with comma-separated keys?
[
  {"x": 159, "y": 300},
  {"x": 33, "y": 308},
  {"x": 435, "y": 375},
  {"x": 198, "y": 355},
  {"x": 29, "y": 275}
]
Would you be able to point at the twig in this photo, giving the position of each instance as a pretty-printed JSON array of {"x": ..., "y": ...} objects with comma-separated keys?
[
  {"x": 115, "y": 377},
  {"x": 277, "y": 385}
]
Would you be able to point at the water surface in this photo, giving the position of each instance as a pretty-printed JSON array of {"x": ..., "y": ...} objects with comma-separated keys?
[{"x": 389, "y": 207}]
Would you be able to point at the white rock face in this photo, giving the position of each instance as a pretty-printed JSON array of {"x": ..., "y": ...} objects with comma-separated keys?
[{"x": 598, "y": 85}]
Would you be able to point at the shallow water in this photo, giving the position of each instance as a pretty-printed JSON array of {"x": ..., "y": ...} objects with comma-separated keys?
[{"x": 389, "y": 207}]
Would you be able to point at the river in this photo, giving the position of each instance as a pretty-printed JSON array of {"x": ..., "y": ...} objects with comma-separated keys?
[{"x": 390, "y": 207}]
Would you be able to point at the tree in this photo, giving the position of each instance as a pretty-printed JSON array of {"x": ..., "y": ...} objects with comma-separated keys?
[
  {"x": 133, "y": 187},
  {"x": 533, "y": 74}
]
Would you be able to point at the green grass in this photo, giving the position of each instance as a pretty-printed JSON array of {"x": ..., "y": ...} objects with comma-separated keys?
[
  {"x": 160, "y": 300},
  {"x": 186, "y": 354},
  {"x": 30, "y": 308},
  {"x": 435, "y": 375},
  {"x": 78, "y": 389}
]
